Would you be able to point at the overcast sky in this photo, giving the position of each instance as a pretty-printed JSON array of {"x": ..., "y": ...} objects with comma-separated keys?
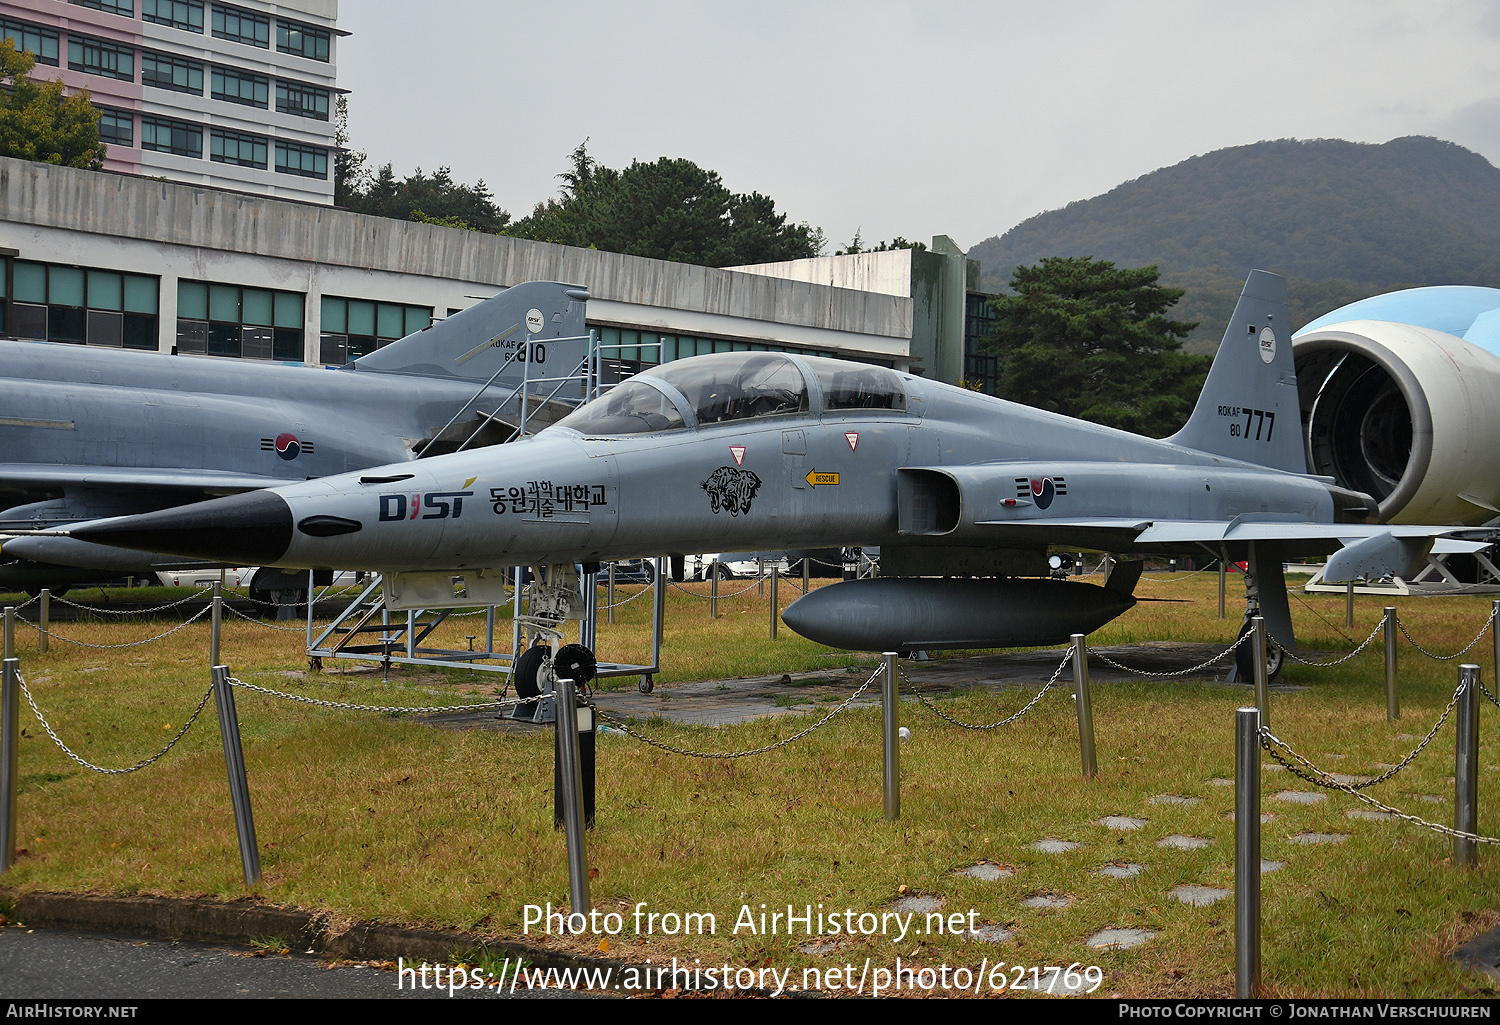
[{"x": 903, "y": 118}]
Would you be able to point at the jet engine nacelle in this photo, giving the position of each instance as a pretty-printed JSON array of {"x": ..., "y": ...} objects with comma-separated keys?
[{"x": 1409, "y": 415}]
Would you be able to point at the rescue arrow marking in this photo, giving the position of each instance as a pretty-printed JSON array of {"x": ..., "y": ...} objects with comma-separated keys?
[{"x": 814, "y": 478}]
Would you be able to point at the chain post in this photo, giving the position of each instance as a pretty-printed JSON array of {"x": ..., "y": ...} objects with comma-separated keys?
[
  {"x": 570, "y": 770},
  {"x": 775, "y": 588},
  {"x": 1258, "y": 653},
  {"x": 760, "y": 578},
  {"x": 1392, "y": 704},
  {"x": 216, "y": 624},
  {"x": 611, "y": 594},
  {"x": 1246, "y": 852},
  {"x": 1085, "y": 705},
  {"x": 1349, "y": 605},
  {"x": 713, "y": 590},
  {"x": 806, "y": 572},
  {"x": 1466, "y": 767},
  {"x": 1222, "y": 572},
  {"x": 10, "y": 739},
  {"x": 234, "y": 765},
  {"x": 890, "y": 731},
  {"x": 44, "y": 621},
  {"x": 10, "y": 632},
  {"x": 1495, "y": 638}
]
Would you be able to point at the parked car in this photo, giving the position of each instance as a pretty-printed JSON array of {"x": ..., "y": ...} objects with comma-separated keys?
[{"x": 734, "y": 564}]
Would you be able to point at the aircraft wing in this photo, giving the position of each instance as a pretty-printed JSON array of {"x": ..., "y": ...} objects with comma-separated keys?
[
  {"x": 1121, "y": 534},
  {"x": 57, "y": 474}
]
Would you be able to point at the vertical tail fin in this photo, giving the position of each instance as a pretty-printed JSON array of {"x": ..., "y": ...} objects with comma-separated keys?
[
  {"x": 1248, "y": 409},
  {"x": 472, "y": 344}
]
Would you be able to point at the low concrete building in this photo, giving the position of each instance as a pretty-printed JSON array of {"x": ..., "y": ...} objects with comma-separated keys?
[{"x": 110, "y": 259}]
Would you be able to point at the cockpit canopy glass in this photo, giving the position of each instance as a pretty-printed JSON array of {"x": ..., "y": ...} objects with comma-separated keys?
[
  {"x": 857, "y": 386},
  {"x": 737, "y": 385},
  {"x": 633, "y": 407}
]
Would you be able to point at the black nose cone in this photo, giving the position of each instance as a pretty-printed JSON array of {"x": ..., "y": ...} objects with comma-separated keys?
[{"x": 253, "y": 529}]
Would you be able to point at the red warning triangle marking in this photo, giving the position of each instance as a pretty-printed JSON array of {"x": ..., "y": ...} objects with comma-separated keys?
[
  {"x": 738, "y": 451},
  {"x": 852, "y": 437}
]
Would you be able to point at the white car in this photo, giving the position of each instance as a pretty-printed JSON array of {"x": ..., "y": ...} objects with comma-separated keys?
[{"x": 733, "y": 564}]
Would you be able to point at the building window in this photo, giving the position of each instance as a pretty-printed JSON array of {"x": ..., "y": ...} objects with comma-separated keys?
[
  {"x": 82, "y": 305},
  {"x": 184, "y": 14},
  {"x": 41, "y": 43},
  {"x": 167, "y": 72},
  {"x": 245, "y": 323},
  {"x": 240, "y": 87},
  {"x": 301, "y": 100},
  {"x": 308, "y": 161},
  {"x": 981, "y": 370},
  {"x": 125, "y": 8},
  {"x": 167, "y": 136},
  {"x": 237, "y": 148},
  {"x": 242, "y": 26},
  {"x": 116, "y": 127},
  {"x": 302, "y": 40},
  {"x": 96, "y": 57},
  {"x": 354, "y": 327}
]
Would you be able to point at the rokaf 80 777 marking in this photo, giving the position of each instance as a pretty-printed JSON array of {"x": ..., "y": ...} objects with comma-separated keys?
[{"x": 1262, "y": 419}]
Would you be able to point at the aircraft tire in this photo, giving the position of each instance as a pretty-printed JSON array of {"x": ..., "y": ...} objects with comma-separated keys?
[
  {"x": 527, "y": 666},
  {"x": 1246, "y": 664}
]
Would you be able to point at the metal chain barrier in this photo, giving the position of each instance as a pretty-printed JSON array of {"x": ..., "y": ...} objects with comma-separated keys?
[
  {"x": 391, "y": 709},
  {"x": 1269, "y": 742},
  {"x": 133, "y": 612},
  {"x": 621, "y": 725},
  {"x": 706, "y": 597},
  {"x": 128, "y": 644},
  {"x": 1388, "y": 774},
  {"x": 1243, "y": 638},
  {"x": 98, "y": 768},
  {"x": 263, "y": 623},
  {"x": 989, "y": 726},
  {"x": 1444, "y": 658},
  {"x": 645, "y": 589},
  {"x": 1340, "y": 661}
]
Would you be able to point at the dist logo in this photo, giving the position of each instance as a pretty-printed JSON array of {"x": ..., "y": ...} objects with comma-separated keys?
[{"x": 440, "y": 505}]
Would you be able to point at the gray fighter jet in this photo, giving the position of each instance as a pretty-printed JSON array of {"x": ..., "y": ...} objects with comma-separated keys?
[
  {"x": 965, "y": 495},
  {"x": 90, "y": 432}
]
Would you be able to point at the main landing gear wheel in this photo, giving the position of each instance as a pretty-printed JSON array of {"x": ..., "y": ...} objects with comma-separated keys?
[
  {"x": 524, "y": 673},
  {"x": 1244, "y": 661}
]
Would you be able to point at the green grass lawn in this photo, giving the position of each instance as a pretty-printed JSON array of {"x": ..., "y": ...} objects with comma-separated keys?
[{"x": 364, "y": 816}]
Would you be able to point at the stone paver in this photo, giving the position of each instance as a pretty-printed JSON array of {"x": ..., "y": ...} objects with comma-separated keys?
[
  {"x": 1184, "y": 843},
  {"x": 1122, "y": 822},
  {"x": 1312, "y": 838},
  {"x": 1199, "y": 896},
  {"x": 1051, "y": 846},
  {"x": 1122, "y": 870},
  {"x": 1339, "y": 777},
  {"x": 1174, "y": 799},
  {"x": 1047, "y": 900},
  {"x": 988, "y": 872},
  {"x": 1119, "y": 939},
  {"x": 1299, "y": 797},
  {"x": 1267, "y": 865},
  {"x": 917, "y": 905},
  {"x": 1369, "y": 815}
]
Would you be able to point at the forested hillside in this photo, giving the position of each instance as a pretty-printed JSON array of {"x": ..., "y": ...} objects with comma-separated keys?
[{"x": 1342, "y": 220}]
